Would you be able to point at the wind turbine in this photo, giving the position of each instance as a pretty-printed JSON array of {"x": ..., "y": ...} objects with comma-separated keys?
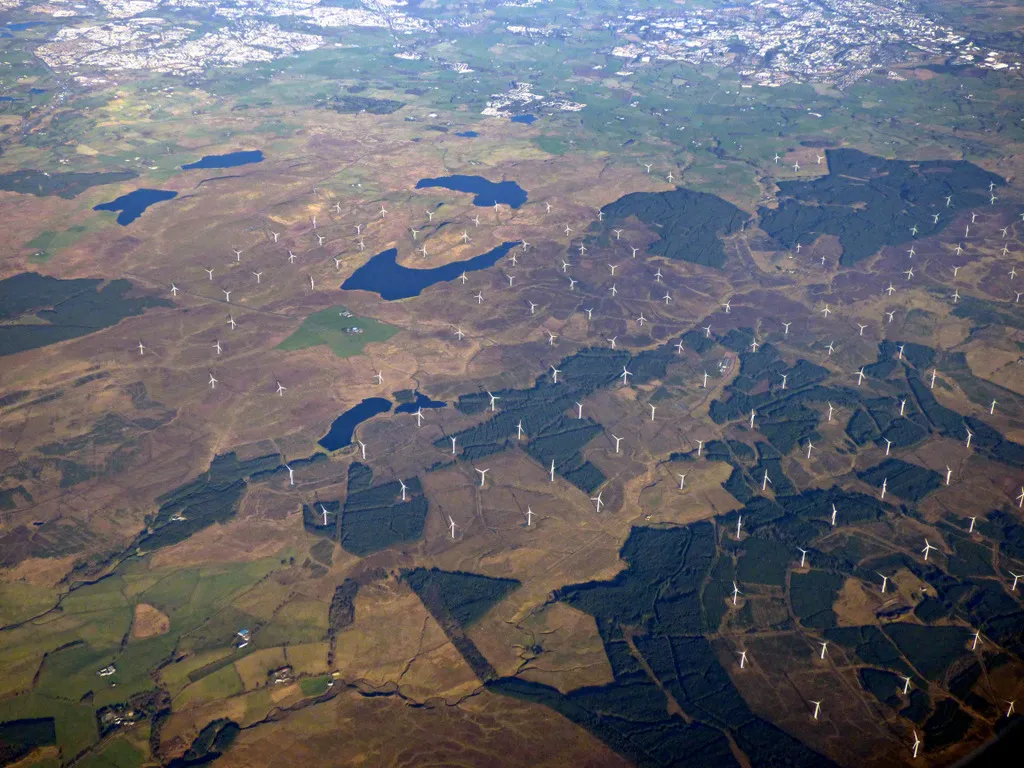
[
  {"x": 362, "y": 449},
  {"x": 419, "y": 417},
  {"x": 174, "y": 290},
  {"x": 552, "y": 471},
  {"x": 976, "y": 639},
  {"x": 216, "y": 345},
  {"x": 743, "y": 658},
  {"x": 452, "y": 526},
  {"x": 238, "y": 255},
  {"x": 453, "y": 438},
  {"x": 459, "y": 333},
  {"x": 142, "y": 348},
  {"x": 291, "y": 475},
  {"x": 213, "y": 382},
  {"x": 739, "y": 526},
  {"x": 735, "y": 593},
  {"x": 971, "y": 528},
  {"x": 830, "y": 411},
  {"x": 209, "y": 272},
  {"x": 635, "y": 251},
  {"x": 625, "y": 376},
  {"x": 824, "y": 647},
  {"x": 652, "y": 407},
  {"x": 765, "y": 481},
  {"x": 928, "y": 548},
  {"x": 258, "y": 275},
  {"x": 917, "y": 743},
  {"x": 705, "y": 384},
  {"x": 579, "y": 410},
  {"x": 227, "y": 296},
  {"x": 597, "y": 501},
  {"x": 554, "y": 375},
  {"x": 834, "y": 513},
  {"x": 529, "y": 516},
  {"x": 378, "y": 377},
  {"x": 402, "y": 483},
  {"x": 618, "y": 234},
  {"x": 786, "y": 327},
  {"x": 888, "y": 445},
  {"x": 479, "y": 297},
  {"x": 617, "y": 441},
  {"x": 280, "y": 389},
  {"x": 700, "y": 446},
  {"x": 231, "y": 322},
  {"x": 707, "y": 331},
  {"x": 860, "y": 375},
  {"x": 885, "y": 580},
  {"x": 817, "y": 708},
  {"x": 519, "y": 430},
  {"x": 885, "y": 483},
  {"x": 803, "y": 556},
  {"x": 809, "y": 446},
  {"x": 826, "y": 311},
  {"x": 1016, "y": 576},
  {"x": 682, "y": 480},
  {"x": 483, "y": 475}
]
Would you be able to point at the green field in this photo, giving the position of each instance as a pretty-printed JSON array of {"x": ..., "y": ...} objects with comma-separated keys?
[{"x": 328, "y": 327}]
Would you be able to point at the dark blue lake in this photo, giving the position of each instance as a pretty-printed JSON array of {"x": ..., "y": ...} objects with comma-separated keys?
[
  {"x": 9, "y": 98},
  {"x": 421, "y": 401},
  {"x": 230, "y": 160},
  {"x": 383, "y": 274},
  {"x": 527, "y": 119},
  {"x": 487, "y": 192},
  {"x": 132, "y": 205},
  {"x": 468, "y": 134},
  {"x": 341, "y": 430}
]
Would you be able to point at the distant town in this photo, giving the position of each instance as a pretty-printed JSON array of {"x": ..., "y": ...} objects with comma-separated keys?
[{"x": 768, "y": 42}]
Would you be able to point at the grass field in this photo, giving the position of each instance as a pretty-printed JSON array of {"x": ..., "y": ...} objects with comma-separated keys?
[{"x": 328, "y": 327}]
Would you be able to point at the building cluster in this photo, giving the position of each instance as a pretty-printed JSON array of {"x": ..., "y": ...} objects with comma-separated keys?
[
  {"x": 153, "y": 44},
  {"x": 773, "y": 42},
  {"x": 520, "y": 98}
]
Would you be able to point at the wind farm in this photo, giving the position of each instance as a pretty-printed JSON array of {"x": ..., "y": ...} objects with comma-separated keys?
[{"x": 431, "y": 432}]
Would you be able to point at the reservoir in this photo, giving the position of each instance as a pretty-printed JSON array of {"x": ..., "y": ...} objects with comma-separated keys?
[
  {"x": 526, "y": 119},
  {"x": 341, "y": 430},
  {"x": 468, "y": 134},
  {"x": 487, "y": 192},
  {"x": 230, "y": 160},
  {"x": 383, "y": 274},
  {"x": 132, "y": 205},
  {"x": 420, "y": 401}
]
